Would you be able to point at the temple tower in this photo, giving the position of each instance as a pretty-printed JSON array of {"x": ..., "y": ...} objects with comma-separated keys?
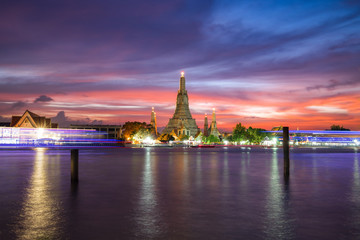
[
  {"x": 206, "y": 126},
  {"x": 153, "y": 120},
  {"x": 182, "y": 122},
  {"x": 213, "y": 128}
]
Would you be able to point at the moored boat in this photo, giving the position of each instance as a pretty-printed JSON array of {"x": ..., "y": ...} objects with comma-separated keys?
[{"x": 203, "y": 146}]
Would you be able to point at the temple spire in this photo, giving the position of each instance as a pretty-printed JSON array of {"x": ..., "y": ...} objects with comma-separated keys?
[
  {"x": 182, "y": 122},
  {"x": 213, "y": 128},
  {"x": 182, "y": 88},
  {"x": 213, "y": 116},
  {"x": 153, "y": 120},
  {"x": 206, "y": 126}
]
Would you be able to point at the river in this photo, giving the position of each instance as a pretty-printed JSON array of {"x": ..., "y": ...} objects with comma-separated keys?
[{"x": 180, "y": 193}]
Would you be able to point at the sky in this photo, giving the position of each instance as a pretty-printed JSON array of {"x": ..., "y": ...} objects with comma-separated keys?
[{"x": 261, "y": 63}]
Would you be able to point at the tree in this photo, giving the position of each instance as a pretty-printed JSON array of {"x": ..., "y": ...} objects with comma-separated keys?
[
  {"x": 338, "y": 128},
  {"x": 239, "y": 133},
  {"x": 211, "y": 139},
  {"x": 255, "y": 135},
  {"x": 142, "y": 134},
  {"x": 129, "y": 129},
  {"x": 166, "y": 137},
  {"x": 183, "y": 137},
  {"x": 229, "y": 138}
]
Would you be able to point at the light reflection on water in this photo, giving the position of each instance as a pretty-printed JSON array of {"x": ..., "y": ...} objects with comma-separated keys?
[
  {"x": 277, "y": 225},
  {"x": 148, "y": 215},
  {"x": 355, "y": 199},
  {"x": 181, "y": 194},
  {"x": 41, "y": 212}
]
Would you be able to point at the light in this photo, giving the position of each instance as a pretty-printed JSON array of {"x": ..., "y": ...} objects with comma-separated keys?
[
  {"x": 149, "y": 141},
  {"x": 182, "y": 74},
  {"x": 226, "y": 142},
  {"x": 40, "y": 133}
]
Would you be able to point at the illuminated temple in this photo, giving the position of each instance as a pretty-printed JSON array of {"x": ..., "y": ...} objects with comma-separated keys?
[
  {"x": 32, "y": 120},
  {"x": 182, "y": 122}
]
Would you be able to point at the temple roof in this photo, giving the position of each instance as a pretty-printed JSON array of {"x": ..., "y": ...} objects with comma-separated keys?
[{"x": 30, "y": 119}]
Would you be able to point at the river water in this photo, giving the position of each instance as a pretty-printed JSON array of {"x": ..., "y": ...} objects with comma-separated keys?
[{"x": 180, "y": 193}]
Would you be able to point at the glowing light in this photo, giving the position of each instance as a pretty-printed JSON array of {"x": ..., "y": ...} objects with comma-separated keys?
[
  {"x": 182, "y": 74},
  {"x": 149, "y": 141},
  {"x": 40, "y": 133}
]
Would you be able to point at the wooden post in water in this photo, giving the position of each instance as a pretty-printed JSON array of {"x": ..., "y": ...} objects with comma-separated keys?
[
  {"x": 74, "y": 165},
  {"x": 286, "y": 151}
]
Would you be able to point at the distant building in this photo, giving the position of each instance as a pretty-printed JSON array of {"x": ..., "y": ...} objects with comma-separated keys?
[
  {"x": 153, "y": 120},
  {"x": 113, "y": 131},
  {"x": 213, "y": 130},
  {"x": 32, "y": 120},
  {"x": 206, "y": 126},
  {"x": 182, "y": 122},
  {"x": 4, "y": 124}
]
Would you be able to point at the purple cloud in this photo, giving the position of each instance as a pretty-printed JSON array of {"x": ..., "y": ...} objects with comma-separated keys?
[
  {"x": 18, "y": 105},
  {"x": 43, "y": 98}
]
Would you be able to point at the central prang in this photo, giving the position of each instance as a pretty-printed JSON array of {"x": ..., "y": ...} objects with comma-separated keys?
[{"x": 182, "y": 123}]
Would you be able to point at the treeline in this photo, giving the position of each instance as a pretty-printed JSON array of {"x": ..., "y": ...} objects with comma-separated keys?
[
  {"x": 249, "y": 135},
  {"x": 137, "y": 131},
  {"x": 338, "y": 128},
  {"x": 140, "y": 130}
]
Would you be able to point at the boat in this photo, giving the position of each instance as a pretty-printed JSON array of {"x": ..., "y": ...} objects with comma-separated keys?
[{"x": 203, "y": 146}]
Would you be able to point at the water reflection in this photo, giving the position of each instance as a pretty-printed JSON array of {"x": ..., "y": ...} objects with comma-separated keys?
[
  {"x": 198, "y": 174},
  {"x": 277, "y": 224},
  {"x": 225, "y": 174},
  {"x": 244, "y": 170},
  {"x": 41, "y": 212},
  {"x": 355, "y": 197},
  {"x": 214, "y": 172},
  {"x": 148, "y": 216}
]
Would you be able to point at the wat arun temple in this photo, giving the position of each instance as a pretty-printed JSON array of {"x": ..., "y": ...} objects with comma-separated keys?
[{"x": 182, "y": 122}]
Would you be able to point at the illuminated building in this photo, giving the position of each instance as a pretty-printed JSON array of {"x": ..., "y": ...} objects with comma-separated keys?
[
  {"x": 33, "y": 130},
  {"x": 322, "y": 138},
  {"x": 213, "y": 127},
  {"x": 182, "y": 122},
  {"x": 111, "y": 131},
  {"x": 48, "y": 137},
  {"x": 32, "y": 120},
  {"x": 153, "y": 120},
  {"x": 206, "y": 126}
]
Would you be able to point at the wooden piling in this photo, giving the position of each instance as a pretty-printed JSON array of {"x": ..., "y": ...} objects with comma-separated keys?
[
  {"x": 286, "y": 152},
  {"x": 74, "y": 165}
]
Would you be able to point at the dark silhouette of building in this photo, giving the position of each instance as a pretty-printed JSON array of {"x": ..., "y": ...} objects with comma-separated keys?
[{"x": 112, "y": 131}]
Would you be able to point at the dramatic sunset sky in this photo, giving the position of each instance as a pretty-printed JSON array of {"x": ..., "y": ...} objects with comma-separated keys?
[{"x": 261, "y": 63}]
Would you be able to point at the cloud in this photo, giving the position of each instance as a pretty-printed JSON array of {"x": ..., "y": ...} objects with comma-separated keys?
[
  {"x": 65, "y": 121},
  {"x": 43, "y": 98},
  {"x": 248, "y": 54},
  {"x": 18, "y": 105},
  {"x": 328, "y": 109},
  {"x": 4, "y": 119},
  {"x": 332, "y": 84}
]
